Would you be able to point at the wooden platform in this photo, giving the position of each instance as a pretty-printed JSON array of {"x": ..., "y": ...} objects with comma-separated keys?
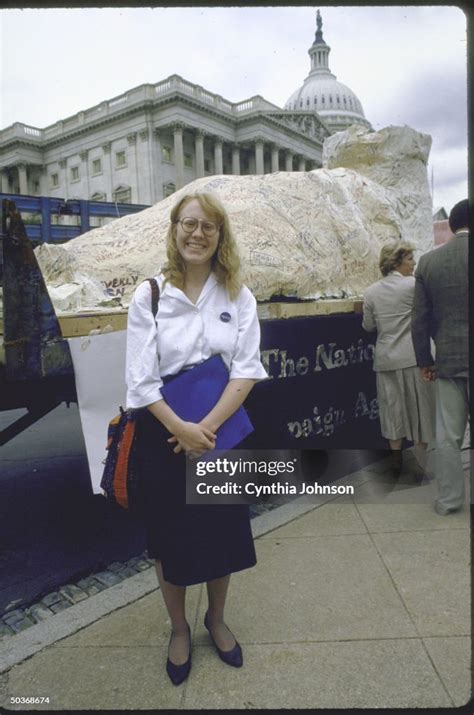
[{"x": 74, "y": 324}]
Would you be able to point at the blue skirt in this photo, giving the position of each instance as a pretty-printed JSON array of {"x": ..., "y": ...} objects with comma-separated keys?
[{"x": 194, "y": 543}]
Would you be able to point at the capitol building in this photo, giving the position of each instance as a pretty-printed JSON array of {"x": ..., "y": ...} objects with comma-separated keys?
[{"x": 141, "y": 146}]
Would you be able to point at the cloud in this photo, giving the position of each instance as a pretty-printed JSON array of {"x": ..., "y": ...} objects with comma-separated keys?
[{"x": 439, "y": 111}]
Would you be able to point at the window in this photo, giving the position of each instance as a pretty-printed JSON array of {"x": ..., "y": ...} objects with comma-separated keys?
[
  {"x": 301, "y": 102},
  {"x": 322, "y": 99},
  {"x": 307, "y": 101},
  {"x": 315, "y": 100},
  {"x": 188, "y": 159},
  {"x": 167, "y": 154},
  {"x": 54, "y": 179},
  {"x": 122, "y": 195},
  {"x": 120, "y": 159},
  {"x": 338, "y": 100},
  {"x": 96, "y": 166},
  {"x": 168, "y": 189},
  {"x": 75, "y": 173},
  {"x": 207, "y": 165},
  {"x": 98, "y": 196}
]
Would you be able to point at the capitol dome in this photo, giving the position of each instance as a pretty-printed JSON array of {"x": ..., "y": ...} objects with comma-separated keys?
[{"x": 335, "y": 103}]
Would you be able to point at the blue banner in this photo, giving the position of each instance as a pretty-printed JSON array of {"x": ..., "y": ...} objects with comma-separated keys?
[{"x": 321, "y": 393}]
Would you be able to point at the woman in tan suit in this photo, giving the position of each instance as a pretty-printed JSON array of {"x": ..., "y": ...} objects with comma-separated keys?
[{"x": 406, "y": 402}]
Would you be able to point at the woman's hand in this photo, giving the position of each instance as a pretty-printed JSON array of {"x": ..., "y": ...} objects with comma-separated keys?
[
  {"x": 428, "y": 373},
  {"x": 192, "y": 438}
]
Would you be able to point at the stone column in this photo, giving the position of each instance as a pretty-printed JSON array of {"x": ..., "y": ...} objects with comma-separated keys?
[
  {"x": 289, "y": 161},
  {"x": 259, "y": 165},
  {"x": 178, "y": 154},
  {"x": 23, "y": 177},
  {"x": 301, "y": 164},
  {"x": 236, "y": 159},
  {"x": 106, "y": 148},
  {"x": 63, "y": 181},
  {"x": 218, "y": 161},
  {"x": 85, "y": 170},
  {"x": 5, "y": 182},
  {"x": 133, "y": 172},
  {"x": 146, "y": 166},
  {"x": 157, "y": 165},
  {"x": 199, "y": 152},
  {"x": 43, "y": 180},
  {"x": 275, "y": 158}
]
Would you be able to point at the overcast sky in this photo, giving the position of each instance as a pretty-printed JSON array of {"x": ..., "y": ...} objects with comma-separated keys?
[{"x": 406, "y": 64}]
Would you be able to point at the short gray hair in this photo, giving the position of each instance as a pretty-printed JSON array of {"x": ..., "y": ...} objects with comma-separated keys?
[{"x": 392, "y": 254}]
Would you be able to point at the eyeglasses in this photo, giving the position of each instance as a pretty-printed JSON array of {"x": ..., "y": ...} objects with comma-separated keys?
[{"x": 209, "y": 228}]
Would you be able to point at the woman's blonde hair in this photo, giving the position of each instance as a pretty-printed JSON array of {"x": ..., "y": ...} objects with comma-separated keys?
[
  {"x": 392, "y": 254},
  {"x": 225, "y": 261}
]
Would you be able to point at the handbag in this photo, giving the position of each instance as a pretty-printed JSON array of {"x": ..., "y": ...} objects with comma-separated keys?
[{"x": 120, "y": 476}]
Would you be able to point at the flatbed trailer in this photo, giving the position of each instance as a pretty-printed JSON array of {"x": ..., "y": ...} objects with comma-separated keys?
[{"x": 321, "y": 388}]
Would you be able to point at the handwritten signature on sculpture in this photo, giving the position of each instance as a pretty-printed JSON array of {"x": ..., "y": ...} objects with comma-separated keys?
[{"x": 117, "y": 286}]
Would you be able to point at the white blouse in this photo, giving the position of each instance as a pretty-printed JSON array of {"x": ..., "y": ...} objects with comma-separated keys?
[{"x": 186, "y": 334}]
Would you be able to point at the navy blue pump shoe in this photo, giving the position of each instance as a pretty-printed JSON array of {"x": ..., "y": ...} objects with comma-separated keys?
[
  {"x": 230, "y": 657},
  {"x": 178, "y": 673}
]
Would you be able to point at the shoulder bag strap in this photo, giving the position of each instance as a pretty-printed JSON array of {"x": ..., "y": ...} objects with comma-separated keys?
[{"x": 155, "y": 295}]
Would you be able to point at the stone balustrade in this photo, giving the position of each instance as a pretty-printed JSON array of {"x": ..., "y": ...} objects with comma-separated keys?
[{"x": 139, "y": 94}]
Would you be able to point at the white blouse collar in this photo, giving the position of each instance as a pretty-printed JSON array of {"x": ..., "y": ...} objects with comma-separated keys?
[{"x": 172, "y": 291}]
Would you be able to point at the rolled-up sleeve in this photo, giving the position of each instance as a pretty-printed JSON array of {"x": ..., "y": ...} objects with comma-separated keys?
[
  {"x": 142, "y": 372},
  {"x": 246, "y": 358}
]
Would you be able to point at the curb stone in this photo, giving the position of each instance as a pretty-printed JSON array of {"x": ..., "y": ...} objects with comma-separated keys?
[{"x": 19, "y": 619}]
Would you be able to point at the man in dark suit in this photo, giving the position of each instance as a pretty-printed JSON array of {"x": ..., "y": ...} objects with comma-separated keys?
[{"x": 440, "y": 311}]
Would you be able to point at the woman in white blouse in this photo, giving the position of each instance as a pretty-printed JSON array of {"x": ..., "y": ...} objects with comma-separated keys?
[
  {"x": 203, "y": 310},
  {"x": 406, "y": 402}
]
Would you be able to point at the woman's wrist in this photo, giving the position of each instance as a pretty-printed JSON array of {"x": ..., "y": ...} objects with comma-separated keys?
[
  {"x": 210, "y": 425},
  {"x": 169, "y": 419},
  {"x": 175, "y": 425}
]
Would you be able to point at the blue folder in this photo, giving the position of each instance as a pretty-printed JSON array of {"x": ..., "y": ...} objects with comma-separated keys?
[{"x": 193, "y": 393}]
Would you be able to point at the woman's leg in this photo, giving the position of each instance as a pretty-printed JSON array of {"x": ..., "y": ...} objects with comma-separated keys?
[
  {"x": 175, "y": 598},
  {"x": 217, "y": 593},
  {"x": 396, "y": 447},
  {"x": 420, "y": 454}
]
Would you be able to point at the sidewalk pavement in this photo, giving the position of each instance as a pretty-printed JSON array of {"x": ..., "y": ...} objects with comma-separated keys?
[{"x": 357, "y": 601}]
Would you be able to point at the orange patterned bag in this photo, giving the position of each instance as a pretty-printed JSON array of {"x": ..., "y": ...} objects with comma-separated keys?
[
  {"x": 119, "y": 480},
  {"x": 120, "y": 477}
]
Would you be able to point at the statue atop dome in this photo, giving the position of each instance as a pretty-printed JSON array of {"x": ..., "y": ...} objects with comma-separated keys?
[{"x": 319, "y": 31}]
